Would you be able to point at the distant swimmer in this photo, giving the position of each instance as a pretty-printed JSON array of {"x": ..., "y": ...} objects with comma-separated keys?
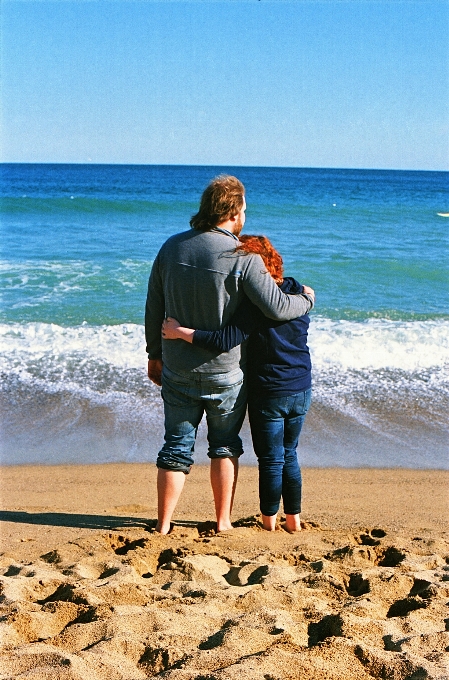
[{"x": 443, "y": 214}]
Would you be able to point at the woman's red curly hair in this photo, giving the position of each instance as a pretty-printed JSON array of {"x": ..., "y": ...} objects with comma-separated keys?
[{"x": 262, "y": 246}]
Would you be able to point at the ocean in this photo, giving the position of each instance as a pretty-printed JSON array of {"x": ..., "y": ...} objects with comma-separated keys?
[{"x": 78, "y": 242}]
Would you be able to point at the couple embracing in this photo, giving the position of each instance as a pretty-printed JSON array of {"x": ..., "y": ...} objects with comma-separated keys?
[{"x": 234, "y": 332}]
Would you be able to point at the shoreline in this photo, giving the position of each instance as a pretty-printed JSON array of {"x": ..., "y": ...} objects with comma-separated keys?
[
  {"x": 64, "y": 427},
  {"x": 252, "y": 465}
]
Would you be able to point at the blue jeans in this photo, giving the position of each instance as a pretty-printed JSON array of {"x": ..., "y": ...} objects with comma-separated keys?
[
  {"x": 276, "y": 424},
  {"x": 222, "y": 396}
]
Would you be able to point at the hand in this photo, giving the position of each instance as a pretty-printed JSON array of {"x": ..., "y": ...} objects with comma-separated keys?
[
  {"x": 308, "y": 291},
  {"x": 169, "y": 329},
  {"x": 155, "y": 371}
]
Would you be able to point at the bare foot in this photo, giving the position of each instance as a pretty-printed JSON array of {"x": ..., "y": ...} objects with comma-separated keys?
[
  {"x": 163, "y": 529},
  {"x": 224, "y": 526},
  {"x": 292, "y": 523},
  {"x": 269, "y": 522}
]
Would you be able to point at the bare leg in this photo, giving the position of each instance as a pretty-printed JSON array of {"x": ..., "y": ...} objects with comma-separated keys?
[
  {"x": 292, "y": 523},
  {"x": 223, "y": 478},
  {"x": 169, "y": 486},
  {"x": 269, "y": 522}
]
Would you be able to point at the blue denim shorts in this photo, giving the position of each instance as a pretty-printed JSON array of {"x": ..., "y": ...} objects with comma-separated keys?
[{"x": 221, "y": 396}]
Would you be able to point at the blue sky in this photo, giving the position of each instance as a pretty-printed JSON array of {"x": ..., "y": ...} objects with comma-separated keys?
[{"x": 361, "y": 84}]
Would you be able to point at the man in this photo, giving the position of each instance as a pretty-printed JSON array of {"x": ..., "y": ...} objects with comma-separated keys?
[{"x": 198, "y": 278}]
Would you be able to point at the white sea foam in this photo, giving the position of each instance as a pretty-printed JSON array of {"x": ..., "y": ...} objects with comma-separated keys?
[
  {"x": 374, "y": 344},
  {"x": 379, "y": 344},
  {"x": 73, "y": 390},
  {"x": 122, "y": 346}
]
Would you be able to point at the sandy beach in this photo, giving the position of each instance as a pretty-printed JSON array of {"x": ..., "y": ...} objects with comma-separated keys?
[{"x": 90, "y": 591}]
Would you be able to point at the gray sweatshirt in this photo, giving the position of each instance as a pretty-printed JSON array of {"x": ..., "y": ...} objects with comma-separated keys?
[{"x": 199, "y": 279}]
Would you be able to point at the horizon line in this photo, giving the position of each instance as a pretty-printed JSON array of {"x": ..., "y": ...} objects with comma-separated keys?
[{"x": 221, "y": 165}]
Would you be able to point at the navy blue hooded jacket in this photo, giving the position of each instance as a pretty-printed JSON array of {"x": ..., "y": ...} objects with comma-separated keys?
[{"x": 277, "y": 353}]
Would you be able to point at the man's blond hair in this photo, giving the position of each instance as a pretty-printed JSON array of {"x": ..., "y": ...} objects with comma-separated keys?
[{"x": 221, "y": 200}]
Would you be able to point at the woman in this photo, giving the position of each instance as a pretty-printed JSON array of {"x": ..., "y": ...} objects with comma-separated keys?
[{"x": 279, "y": 385}]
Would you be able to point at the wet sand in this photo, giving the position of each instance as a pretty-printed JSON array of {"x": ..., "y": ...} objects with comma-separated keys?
[{"x": 89, "y": 591}]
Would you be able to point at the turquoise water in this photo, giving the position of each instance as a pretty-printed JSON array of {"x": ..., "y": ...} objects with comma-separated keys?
[{"x": 78, "y": 242}]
